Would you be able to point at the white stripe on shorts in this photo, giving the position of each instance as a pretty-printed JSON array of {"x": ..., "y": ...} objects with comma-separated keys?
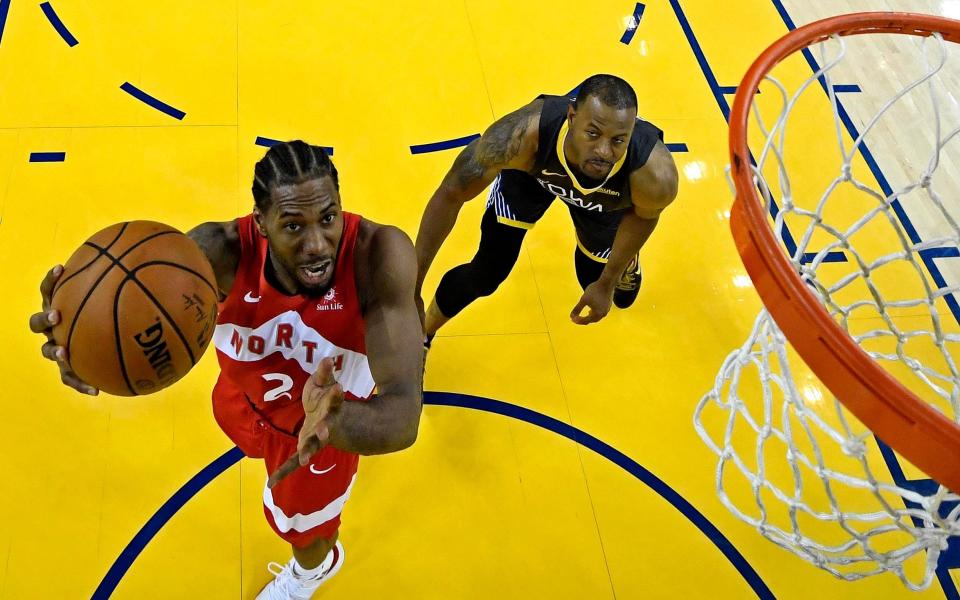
[{"x": 301, "y": 522}]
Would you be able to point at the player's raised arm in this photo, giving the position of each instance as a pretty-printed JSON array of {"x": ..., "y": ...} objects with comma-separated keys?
[
  {"x": 389, "y": 421},
  {"x": 509, "y": 143}
]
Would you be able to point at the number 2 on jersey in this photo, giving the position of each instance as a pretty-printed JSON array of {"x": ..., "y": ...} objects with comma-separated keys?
[{"x": 283, "y": 389}]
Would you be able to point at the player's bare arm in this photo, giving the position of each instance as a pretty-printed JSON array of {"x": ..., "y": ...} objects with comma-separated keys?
[
  {"x": 220, "y": 243},
  {"x": 390, "y": 420},
  {"x": 652, "y": 188},
  {"x": 509, "y": 143}
]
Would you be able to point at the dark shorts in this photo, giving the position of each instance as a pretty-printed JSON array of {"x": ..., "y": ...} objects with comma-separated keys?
[{"x": 519, "y": 201}]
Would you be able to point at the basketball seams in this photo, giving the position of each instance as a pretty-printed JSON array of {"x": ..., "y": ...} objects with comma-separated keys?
[
  {"x": 166, "y": 315},
  {"x": 100, "y": 253},
  {"x": 116, "y": 336},
  {"x": 176, "y": 266},
  {"x": 116, "y": 261},
  {"x": 131, "y": 276}
]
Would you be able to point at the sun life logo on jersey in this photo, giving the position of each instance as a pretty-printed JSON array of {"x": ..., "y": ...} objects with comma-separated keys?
[{"x": 329, "y": 301}]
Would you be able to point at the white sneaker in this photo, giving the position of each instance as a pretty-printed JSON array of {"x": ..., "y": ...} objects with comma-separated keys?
[{"x": 287, "y": 586}]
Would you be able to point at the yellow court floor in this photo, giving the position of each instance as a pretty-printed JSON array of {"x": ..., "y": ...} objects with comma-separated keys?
[{"x": 554, "y": 461}]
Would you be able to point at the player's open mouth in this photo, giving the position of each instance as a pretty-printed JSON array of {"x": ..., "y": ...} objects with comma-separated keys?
[{"x": 315, "y": 273}]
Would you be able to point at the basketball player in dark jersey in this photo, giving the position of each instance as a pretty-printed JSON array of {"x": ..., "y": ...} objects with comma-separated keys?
[
  {"x": 593, "y": 153},
  {"x": 319, "y": 342}
]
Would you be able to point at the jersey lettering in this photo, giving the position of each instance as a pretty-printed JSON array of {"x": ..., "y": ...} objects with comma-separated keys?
[
  {"x": 286, "y": 384},
  {"x": 568, "y": 196}
]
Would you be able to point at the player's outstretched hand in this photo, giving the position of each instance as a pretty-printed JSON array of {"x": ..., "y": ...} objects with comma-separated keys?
[
  {"x": 322, "y": 398},
  {"x": 43, "y": 322},
  {"x": 597, "y": 298}
]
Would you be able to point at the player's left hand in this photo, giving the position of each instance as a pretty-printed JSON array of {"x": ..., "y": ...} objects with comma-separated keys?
[
  {"x": 322, "y": 398},
  {"x": 598, "y": 297}
]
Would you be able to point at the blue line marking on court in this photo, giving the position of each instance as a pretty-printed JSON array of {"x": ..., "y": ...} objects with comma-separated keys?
[
  {"x": 160, "y": 518},
  {"x": 270, "y": 143},
  {"x": 48, "y": 156},
  {"x": 266, "y": 142},
  {"x": 129, "y": 554},
  {"x": 4, "y": 11},
  {"x": 58, "y": 24},
  {"x": 618, "y": 458},
  {"x": 928, "y": 256},
  {"x": 712, "y": 82},
  {"x": 677, "y": 147},
  {"x": 151, "y": 101},
  {"x": 634, "y": 23},
  {"x": 837, "y": 87},
  {"x": 831, "y": 257},
  {"x": 948, "y": 559},
  {"x": 718, "y": 94},
  {"x": 446, "y": 145},
  {"x": 730, "y": 89},
  {"x": 868, "y": 158}
]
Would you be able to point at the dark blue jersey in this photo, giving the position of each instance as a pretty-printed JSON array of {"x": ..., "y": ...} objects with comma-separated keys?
[{"x": 551, "y": 172}]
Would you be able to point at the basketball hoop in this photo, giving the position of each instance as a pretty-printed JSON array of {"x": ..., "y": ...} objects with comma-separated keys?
[{"x": 911, "y": 404}]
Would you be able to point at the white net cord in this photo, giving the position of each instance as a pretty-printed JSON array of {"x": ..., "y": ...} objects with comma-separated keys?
[{"x": 793, "y": 462}]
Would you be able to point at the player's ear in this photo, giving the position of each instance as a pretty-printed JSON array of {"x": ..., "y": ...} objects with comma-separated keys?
[
  {"x": 258, "y": 219},
  {"x": 570, "y": 112}
]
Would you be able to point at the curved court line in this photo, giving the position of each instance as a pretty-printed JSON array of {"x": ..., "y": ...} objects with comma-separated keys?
[
  {"x": 4, "y": 10},
  {"x": 149, "y": 100},
  {"x": 270, "y": 143},
  {"x": 621, "y": 460},
  {"x": 58, "y": 24},
  {"x": 444, "y": 145},
  {"x": 133, "y": 549},
  {"x": 160, "y": 518}
]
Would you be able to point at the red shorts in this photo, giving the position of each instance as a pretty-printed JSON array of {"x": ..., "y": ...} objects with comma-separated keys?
[{"x": 307, "y": 503}]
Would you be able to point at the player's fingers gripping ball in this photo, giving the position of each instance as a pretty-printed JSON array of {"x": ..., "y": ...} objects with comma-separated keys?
[{"x": 138, "y": 306}]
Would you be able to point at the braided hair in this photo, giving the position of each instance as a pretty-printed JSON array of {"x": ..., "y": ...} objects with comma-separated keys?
[{"x": 290, "y": 163}]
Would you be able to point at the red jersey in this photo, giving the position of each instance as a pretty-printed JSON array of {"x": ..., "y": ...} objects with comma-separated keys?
[{"x": 268, "y": 343}]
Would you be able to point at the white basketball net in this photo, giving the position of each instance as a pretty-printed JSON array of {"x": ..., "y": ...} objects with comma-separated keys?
[{"x": 793, "y": 462}]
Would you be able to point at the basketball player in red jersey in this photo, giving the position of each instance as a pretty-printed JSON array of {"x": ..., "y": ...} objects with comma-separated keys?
[{"x": 317, "y": 313}]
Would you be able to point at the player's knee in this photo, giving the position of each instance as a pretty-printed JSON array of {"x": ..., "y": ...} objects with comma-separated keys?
[{"x": 488, "y": 280}]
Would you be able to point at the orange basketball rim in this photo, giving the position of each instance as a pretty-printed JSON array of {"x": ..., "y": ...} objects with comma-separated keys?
[{"x": 897, "y": 416}]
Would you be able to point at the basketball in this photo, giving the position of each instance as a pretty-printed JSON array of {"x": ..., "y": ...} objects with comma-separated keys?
[{"x": 138, "y": 305}]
